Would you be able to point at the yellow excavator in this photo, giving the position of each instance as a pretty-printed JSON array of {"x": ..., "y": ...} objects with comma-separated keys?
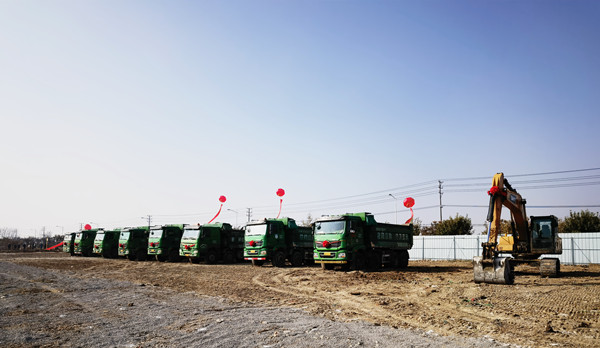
[{"x": 526, "y": 242}]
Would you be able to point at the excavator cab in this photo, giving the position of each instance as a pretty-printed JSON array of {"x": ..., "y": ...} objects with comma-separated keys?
[{"x": 544, "y": 235}]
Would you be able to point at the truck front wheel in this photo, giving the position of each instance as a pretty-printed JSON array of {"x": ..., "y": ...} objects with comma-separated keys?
[
  {"x": 279, "y": 259},
  {"x": 359, "y": 262},
  {"x": 211, "y": 257}
]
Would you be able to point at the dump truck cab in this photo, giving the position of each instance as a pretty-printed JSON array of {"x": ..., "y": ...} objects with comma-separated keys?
[
  {"x": 278, "y": 240},
  {"x": 212, "y": 243},
  {"x": 83, "y": 242},
  {"x": 163, "y": 242},
  {"x": 68, "y": 243},
  {"x": 106, "y": 243},
  {"x": 133, "y": 243},
  {"x": 338, "y": 239}
]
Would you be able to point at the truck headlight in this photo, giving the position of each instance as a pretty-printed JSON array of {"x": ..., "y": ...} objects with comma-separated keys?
[
  {"x": 263, "y": 252},
  {"x": 316, "y": 255},
  {"x": 342, "y": 255}
]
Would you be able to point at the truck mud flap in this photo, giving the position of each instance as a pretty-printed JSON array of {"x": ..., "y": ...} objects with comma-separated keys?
[{"x": 496, "y": 271}]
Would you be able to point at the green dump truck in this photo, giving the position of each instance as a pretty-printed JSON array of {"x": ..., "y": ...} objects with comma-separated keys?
[
  {"x": 278, "y": 240},
  {"x": 164, "y": 241},
  {"x": 212, "y": 243},
  {"x": 133, "y": 243},
  {"x": 357, "y": 241},
  {"x": 106, "y": 243},
  {"x": 83, "y": 244},
  {"x": 68, "y": 243}
]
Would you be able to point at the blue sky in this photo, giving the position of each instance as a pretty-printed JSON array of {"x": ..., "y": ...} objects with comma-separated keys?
[{"x": 113, "y": 110}]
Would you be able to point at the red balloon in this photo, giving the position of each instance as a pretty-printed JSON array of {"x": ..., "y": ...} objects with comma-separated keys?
[
  {"x": 87, "y": 227},
  {"x": 280, "y": 192},
  {"x": 222, "y": 199},
  {"x": 409, "y": 202}
]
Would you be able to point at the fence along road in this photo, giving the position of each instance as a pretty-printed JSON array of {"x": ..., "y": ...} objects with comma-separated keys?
[{"x": 578, "y": 248}]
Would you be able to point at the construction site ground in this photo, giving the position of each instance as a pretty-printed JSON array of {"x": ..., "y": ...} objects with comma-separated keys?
[{"x": 54, "y": 299}]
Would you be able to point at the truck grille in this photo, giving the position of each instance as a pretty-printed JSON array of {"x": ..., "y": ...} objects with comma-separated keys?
[
  {"x": 259, "y": 243},
  {"x": 332, "y": 244}
]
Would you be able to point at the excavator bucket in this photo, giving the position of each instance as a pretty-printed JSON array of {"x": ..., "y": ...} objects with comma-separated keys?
[{"x": 498, "y": 270}]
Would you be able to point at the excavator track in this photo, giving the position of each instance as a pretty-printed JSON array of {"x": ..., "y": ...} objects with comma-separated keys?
[{"x": 550, "y": 267}]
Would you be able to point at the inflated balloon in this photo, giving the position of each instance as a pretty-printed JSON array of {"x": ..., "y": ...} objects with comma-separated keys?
[
  {"x": 222, "y": 199},
  {"x": 409, "y": 202},
  {"x": 87, "y": 227},
  {"x": 280, "y": 192}
]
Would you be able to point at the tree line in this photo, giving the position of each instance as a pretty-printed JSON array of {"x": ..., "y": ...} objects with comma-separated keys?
[{"x": 581, "y": 221}]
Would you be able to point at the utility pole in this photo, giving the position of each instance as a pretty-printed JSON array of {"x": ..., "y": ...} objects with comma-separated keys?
[
  {"x": 249, "y": 213},
  {"x": 440, "y": 191},
  {"x": 396, "y": 205},
  {"x": 149, "y": 217}
]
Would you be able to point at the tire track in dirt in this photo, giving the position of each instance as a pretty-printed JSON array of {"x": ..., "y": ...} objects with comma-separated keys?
[{"x": 287, "y": 283}]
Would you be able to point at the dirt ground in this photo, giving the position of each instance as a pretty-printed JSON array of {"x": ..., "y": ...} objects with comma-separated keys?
[{"x": 433, "y": 297}]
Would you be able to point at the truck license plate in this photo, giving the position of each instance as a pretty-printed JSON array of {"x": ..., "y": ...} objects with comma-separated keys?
[{"x": 327, "y": 254}]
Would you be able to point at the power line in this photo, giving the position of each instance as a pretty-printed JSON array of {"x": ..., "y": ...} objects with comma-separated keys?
[
  {"x": 530, "y": 174},
  {"x": 536, "y": 187},
  {"x": 392, "y": 190}
]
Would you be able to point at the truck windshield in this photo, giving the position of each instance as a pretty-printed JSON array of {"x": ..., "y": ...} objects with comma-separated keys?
[
  {"x": 330, "y": 227},
  {"x": 256, "y": 230},
  {"x": 156, "y": 233},
  {"x": 124, "y": 235},
  {"x": 190, "y": 234},
  {"x": 99, "y": 237},
  {"x": 78, "y": 236}
]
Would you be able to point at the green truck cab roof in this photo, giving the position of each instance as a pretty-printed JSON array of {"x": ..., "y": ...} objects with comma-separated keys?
[
  {"x": 288, "y": 222},
  {"x": 142, "y": 228},
  {"x": 367, "y": 218}
]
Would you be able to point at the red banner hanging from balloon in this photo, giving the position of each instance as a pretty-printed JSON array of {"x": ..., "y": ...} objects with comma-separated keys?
[
  {"x": 280, "y": 192},
  {"x": 222, "y": 199},
  {"x": 409, "y": 202},
  {"x": 56, "y": 246}
]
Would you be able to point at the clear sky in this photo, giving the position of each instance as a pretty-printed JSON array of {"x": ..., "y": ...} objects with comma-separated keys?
[{"x": 113, "y": 110}]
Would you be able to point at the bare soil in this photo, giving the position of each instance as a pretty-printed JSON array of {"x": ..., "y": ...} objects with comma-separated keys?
[{"x": 436, "y": 301}]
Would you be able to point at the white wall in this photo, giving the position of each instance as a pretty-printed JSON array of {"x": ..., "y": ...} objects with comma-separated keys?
[{"x": 578, "y": 248}]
